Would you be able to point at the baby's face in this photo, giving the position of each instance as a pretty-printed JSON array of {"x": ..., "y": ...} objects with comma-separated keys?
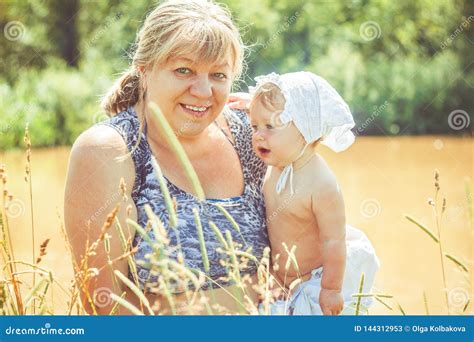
[{"x": 276, "y": 144}]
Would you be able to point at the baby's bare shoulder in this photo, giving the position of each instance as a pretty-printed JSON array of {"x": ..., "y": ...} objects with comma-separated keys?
[
  {"x": 320, "y": 174},
  {"x": 321, "y": 183}
]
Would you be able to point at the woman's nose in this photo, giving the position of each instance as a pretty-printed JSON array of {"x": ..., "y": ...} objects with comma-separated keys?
[{"x": 201, "y": 86}]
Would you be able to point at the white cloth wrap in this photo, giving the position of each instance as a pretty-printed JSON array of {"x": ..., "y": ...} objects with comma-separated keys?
[
  {"x": 361, "y": 258},
  {"x": 316, "y": 109}
]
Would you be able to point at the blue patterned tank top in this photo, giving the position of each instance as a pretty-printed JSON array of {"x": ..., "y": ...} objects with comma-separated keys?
[{"x": 247, "y": 210}]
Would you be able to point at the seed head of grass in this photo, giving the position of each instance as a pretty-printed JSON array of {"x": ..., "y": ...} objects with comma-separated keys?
[
  {"x": 123, "y": 189},
  {"x": 43, "y": 247}
]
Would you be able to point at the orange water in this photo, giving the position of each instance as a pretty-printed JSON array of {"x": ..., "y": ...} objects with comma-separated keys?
[{"x": 382, "y": 179}]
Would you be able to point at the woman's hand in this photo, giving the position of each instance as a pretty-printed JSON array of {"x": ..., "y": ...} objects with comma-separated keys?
[
  {"x": 239, "y": 101},
  {"x": 331, "y": 301}
]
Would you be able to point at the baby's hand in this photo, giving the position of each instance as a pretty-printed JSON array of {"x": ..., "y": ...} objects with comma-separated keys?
[
  {"x": 331, "y": 302},
  {"x": 239, "y": 101}
]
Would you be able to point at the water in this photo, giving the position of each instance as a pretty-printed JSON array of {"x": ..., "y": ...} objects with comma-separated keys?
[{"x": 382, "y": 179}]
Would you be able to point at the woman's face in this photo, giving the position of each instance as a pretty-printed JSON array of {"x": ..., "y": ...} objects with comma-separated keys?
[{"x": 191, "y": 95}]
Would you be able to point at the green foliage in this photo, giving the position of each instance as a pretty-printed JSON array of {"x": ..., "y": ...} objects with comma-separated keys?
[{"x": 401, "y": 66}]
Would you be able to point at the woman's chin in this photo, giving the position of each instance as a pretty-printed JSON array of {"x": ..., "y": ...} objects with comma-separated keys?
[{"x": 187, "y": 128}]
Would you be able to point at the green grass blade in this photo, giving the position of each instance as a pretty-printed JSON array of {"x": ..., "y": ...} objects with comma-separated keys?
[
  {"x": 423, "y": 228},
  {"x": 228, "y": 217},
  {"x": 233, "y": 256},
  {"x": 401, "y": 309},
  {"x": 166, "y": 194},
  {"x": 469, "y": 200},
  {"x": 116, "y": 305},
  {"x": 466, "y": 306},
  {"x": 384, "y": 303},
  {"x": 425, "y": 302},
  {"x": 123, "y": 242},
  {"x": 202, "y": 243},
  {"x": 457, "y": 262},
  {"x": 33, "y": 292},
  {"x": 359, "y": 299},
  {"x": 135, "y": 290},
  {"x": 178, "y": 149},
  {"x": 219, "y": 235},
  {"x": 129, "y": 306},
  {"x": 144, "y": 235}
]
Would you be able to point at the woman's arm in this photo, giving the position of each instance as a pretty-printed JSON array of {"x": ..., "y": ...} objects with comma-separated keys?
[{"x": 92, "y": 192}]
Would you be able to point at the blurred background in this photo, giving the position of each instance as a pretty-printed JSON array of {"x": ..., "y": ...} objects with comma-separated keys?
[{"x": 405, "y": 68}]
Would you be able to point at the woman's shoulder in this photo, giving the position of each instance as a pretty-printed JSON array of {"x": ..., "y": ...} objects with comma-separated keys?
[
  {"x": 112, "y": 136},
  {"x": 100, "y": 138},
  {"x": 101, "y": 150}
]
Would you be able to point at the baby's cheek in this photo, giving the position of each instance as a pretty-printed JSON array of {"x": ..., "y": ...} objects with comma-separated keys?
[
  {"x": 276, "y": 145},
  {"x": 254, "y": 143}
]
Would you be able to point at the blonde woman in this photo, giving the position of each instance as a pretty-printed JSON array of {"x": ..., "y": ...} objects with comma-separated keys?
[{"x": 188, "y": 54}]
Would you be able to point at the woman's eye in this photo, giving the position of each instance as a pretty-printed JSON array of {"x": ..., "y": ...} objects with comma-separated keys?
[
  {"x": 183, "y": 71},
  {"x": 254, "y": 127},
  {"x": 220, "y": 76},
  {"x": 269, "y": 126}
]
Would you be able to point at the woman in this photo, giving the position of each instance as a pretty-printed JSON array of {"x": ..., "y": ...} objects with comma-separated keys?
[{"x": 188, "y": 55}]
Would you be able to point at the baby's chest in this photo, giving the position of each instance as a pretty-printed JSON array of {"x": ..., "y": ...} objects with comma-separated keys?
[{"x": 287, "y": 206}]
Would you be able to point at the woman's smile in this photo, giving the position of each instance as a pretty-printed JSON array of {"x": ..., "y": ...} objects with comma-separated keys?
[{"x": 195, "y": 111}]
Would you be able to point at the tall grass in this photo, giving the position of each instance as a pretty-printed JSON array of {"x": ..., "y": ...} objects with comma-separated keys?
[
  {"x": 31, "y": 290},
  {"x": 438, "y": 208}
]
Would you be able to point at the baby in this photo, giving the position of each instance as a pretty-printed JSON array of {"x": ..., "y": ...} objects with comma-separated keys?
[{"x": 291, "y": 115}]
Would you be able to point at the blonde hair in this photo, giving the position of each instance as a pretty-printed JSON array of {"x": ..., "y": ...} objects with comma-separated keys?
[
  {"x": 175, "y": 28},
  {"x": 272, "y": 98}
]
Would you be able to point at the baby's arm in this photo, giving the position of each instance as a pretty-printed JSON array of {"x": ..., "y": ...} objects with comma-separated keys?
[{"x": 328, "y": 207}]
